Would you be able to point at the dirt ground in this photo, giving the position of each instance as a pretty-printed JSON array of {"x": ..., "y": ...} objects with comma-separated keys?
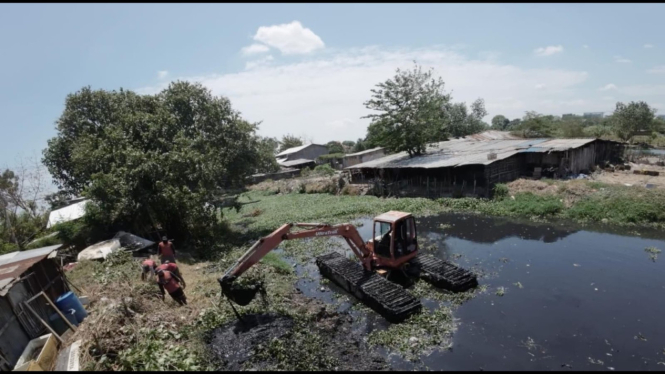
[{"x": 627, "y": 177}]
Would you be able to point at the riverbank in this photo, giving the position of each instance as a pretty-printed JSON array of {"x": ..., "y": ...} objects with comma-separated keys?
[
  {"x": 577, "y": 200},
  {"x": 129, "y": 328}
]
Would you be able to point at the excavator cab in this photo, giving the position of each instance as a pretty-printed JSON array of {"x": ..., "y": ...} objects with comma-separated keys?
[{"x": 395, "y": 240}]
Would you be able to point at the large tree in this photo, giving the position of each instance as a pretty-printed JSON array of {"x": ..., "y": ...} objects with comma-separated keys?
[
  {"x": 500, "y": 122},
  {"x": 632, "y": 119},
  {"x": 411, "y": 110},
  {"x": 289, "y": 141},
  {"x": 153, "y": 160}
]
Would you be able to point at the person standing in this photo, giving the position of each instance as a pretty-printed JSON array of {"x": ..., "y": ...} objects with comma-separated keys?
[
  {"x": 166, "y": 250},
  {"x": 170, "y": 283}
]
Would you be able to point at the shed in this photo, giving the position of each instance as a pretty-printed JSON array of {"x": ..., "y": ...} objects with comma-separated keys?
[
  {"x": 472, "y": 165},
  {"x": 307, "y": 151},
  {"x": 298, "y": 164},
  {"x": 363, "y": 156},
  {"x": 23, "y": 275}
]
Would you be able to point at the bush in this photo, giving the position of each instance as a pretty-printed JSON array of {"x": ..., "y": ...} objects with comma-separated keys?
[
  {"x": 528, "y": 204},
  {"x": 350, "y": 190},
  {"x": 500, "y": 191},
  {"x": 73, "y": 233},
  {"x": 323, "y": 170}
]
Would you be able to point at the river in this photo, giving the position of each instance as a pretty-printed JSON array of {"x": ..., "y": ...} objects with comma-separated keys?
[{"x": 591, "y": 298}]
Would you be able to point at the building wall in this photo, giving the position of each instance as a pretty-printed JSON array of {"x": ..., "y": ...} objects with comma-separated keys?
[
  {"x": 309, "y": 153},
  {"x": 23, "y": 325},
  {"x": 359, "y": 159}
]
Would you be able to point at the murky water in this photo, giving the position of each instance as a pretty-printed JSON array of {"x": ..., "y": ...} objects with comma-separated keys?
[{"x": 590, "y": 299}]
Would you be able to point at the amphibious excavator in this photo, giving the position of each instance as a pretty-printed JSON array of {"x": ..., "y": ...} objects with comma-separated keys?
[{"x": 392, "y": 253}]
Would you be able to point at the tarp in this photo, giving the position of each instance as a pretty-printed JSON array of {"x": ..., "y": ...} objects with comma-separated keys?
[
  {"x": 121, "y": 240},
  {"x": 100, "y": 250},
  {"x": 132, "y": 242}
]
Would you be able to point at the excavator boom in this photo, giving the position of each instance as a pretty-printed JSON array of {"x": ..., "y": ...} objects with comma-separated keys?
[{"x": 244, "y": 295}]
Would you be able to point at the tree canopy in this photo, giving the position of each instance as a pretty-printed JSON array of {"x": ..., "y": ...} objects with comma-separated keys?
[
  {"x": 632, "y": 119},
  {"x": 335, "y": 147},
  {"x": 411, "y": 110},
  {"x": 500, "y": 122},
  {"x": 289, "y": 141},
  {"x": 154, "y": 160}
]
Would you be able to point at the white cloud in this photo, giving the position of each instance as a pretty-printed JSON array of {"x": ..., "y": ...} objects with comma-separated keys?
[
  {"x": 608, "y": 98},
  {"x": 254, "y": 49},
  {"x": 648, "y": 46},
  {"x": 289, "y": 38},
  {"x": 657, "y": 70},
  {"x": 622, "y": 60},
  {"x": 324, "y": 95},
  {"x": 608, "y": 87},
  {"x": 585, "y": 46},
  {"x": 260, "y": 62},
  {"x": 162, "y": 74},
  {"x": 539, "y": 86},
  {"x": 548, "y": 51}
]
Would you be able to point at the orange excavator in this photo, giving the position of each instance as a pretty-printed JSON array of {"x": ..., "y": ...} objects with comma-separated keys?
[{"x": 391, "y": 254}]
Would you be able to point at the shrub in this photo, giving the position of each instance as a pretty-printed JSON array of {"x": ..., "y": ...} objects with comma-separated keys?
[
  {"x": 528, "y": 204},
  {"x": 500, "y": 191},
  {"x": 323, "y": 170}
]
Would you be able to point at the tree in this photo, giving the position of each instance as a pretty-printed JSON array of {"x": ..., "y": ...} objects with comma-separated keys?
[
  {"x": 348, "y": 143},
  {"x": 500, "y": 122},
  {"x": 571, "y": 129},
  {"x": 534, "y": 125},
  {"x": 267, "y": 149},
  {"x": 360, "y": 146},
  {"x": 632, "y": 119},
  {"x": 58, "y": 199},
  {"x": 153, "y": 161},
  {"x": 411, "y": 111},
  {"x": 335, "y": 147},
  {"x": 289, "y": 141},
  {"x": 462, "y": 123},
  {"x": 21, "y": 217}
]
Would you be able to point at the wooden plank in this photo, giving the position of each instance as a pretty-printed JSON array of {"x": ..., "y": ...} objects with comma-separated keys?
[{"x": 48, "y": 327}]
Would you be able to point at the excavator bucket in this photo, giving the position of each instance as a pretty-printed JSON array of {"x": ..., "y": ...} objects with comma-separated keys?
[{"x": 240, "y": 294}]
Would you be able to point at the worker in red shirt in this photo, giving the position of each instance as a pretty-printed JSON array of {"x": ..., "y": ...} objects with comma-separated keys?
[
  {"x": 148, "y": 266},
  {"x": 166, "y": 251},
  {"x": 171, "y": 283},
  {"x": 173, "y": 268}
]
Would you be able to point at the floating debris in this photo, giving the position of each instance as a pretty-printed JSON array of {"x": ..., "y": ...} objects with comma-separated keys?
[
  {"x": 653, "y": 253},
  {"x": 518, "y": 284},
  {"x": 577, "y": 265},
  {"x": 504, "y": 260},
  {"x": 500, "y": 291},
  {"x": 596, "y": 362},
  {"x": 640, "y": 336}
]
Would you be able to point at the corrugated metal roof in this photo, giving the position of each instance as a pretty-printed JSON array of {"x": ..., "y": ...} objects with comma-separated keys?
[
  {"x": 296, "y": 149},
  {"x": 459, "y": 152},
  {"x": 299, "y": 161},
  {"x": 493, "y": 135},
  {"x": 364, "y": 152},
  {"x": 68, "y": 213},
  {"x": 12, "y": 265}
]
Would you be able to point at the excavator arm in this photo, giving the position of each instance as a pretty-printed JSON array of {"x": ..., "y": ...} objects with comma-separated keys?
[{"x": 266, "y": 244}]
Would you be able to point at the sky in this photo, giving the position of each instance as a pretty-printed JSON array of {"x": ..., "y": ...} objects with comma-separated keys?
[{"x": 306, "y": 69}]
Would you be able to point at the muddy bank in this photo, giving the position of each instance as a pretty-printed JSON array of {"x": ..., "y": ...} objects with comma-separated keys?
[{"x": 318, "y": 341}]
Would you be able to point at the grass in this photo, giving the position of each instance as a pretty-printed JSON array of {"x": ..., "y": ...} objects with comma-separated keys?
[{"x": 615, "y": 204}]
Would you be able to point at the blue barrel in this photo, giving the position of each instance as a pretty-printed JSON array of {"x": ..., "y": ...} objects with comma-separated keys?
[
  {"x": 70, "y": 301},
  {"x": 59, "y": 325}
]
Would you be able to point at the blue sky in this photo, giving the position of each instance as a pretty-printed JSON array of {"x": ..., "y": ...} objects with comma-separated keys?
[{"x": 306, "y": 69}]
